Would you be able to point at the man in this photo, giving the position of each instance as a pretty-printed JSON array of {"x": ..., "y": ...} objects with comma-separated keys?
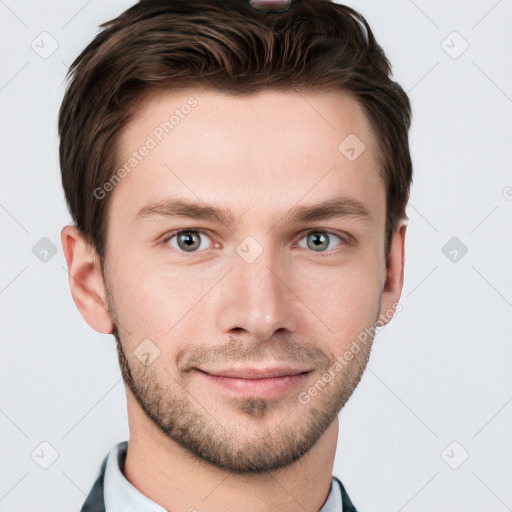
[{"x": 238, "y": 178}]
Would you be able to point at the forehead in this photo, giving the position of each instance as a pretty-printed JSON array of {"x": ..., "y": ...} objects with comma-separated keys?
[{"x": 270, "y": 148}]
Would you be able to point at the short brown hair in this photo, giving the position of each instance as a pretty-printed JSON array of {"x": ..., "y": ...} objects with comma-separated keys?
[{"x": 227, "y": 46}]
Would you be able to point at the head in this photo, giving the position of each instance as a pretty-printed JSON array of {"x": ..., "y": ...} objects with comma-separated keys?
[{"x": 238, "y": 183}]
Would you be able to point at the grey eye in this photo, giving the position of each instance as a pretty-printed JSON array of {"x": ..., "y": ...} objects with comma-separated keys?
[
  {"x": 319, "y": 241},
  {"x": 188, "y": 240}
]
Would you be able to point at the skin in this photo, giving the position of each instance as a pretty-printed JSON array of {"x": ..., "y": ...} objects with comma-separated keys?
[{"x": 261, "y": 156}]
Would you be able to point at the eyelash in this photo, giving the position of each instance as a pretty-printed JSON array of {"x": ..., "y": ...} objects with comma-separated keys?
[{"x": 343, "y": 240}]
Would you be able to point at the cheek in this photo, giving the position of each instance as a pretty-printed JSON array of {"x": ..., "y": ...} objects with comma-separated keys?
[
  {"x": 157, "y": 302},
  {"x": 345, "y": 298}
]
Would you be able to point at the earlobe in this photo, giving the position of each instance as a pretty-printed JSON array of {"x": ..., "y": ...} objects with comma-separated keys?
[
  {"x": 86, "y": 280},
  {"x": 392, "y": 288}
]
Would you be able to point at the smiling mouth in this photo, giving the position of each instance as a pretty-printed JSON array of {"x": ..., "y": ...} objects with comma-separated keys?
[
  {"x": 257, "y": 373},
  {"x": 262, "y": 383}
]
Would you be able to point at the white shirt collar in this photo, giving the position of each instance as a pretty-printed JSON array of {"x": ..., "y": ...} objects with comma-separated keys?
[{"x": 122, "y": 496}]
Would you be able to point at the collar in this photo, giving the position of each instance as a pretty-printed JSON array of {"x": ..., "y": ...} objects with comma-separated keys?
[{"x": 122, "y": 496}]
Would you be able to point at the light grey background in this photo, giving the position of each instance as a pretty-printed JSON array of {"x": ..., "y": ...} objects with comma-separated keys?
[{"x": 440, "y": 372}]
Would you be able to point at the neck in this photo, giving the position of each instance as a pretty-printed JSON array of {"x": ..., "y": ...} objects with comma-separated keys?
[{"x": 176, "y": 479}]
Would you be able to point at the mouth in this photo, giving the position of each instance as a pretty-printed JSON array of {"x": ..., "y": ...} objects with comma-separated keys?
[
  {"x": 257, "y": 373},
  {"x": 269, "y": 382}
]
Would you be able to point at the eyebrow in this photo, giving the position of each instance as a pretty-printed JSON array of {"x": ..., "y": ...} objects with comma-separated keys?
[{"x": 186, "y": 208}]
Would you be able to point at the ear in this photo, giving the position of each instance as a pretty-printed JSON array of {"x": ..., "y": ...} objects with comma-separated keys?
[
  {"x": 392, "y": 288},
  {"x": 86, "y": 280}
]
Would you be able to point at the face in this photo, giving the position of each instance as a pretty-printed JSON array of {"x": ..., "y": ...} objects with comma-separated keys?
[{"x": 244, "y": 257}]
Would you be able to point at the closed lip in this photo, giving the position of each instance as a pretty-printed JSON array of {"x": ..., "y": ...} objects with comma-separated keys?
[{"x": 257, "y": 373}]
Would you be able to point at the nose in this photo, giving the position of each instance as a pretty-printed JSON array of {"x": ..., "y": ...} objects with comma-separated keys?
[{"x": 256, "y": 298}]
